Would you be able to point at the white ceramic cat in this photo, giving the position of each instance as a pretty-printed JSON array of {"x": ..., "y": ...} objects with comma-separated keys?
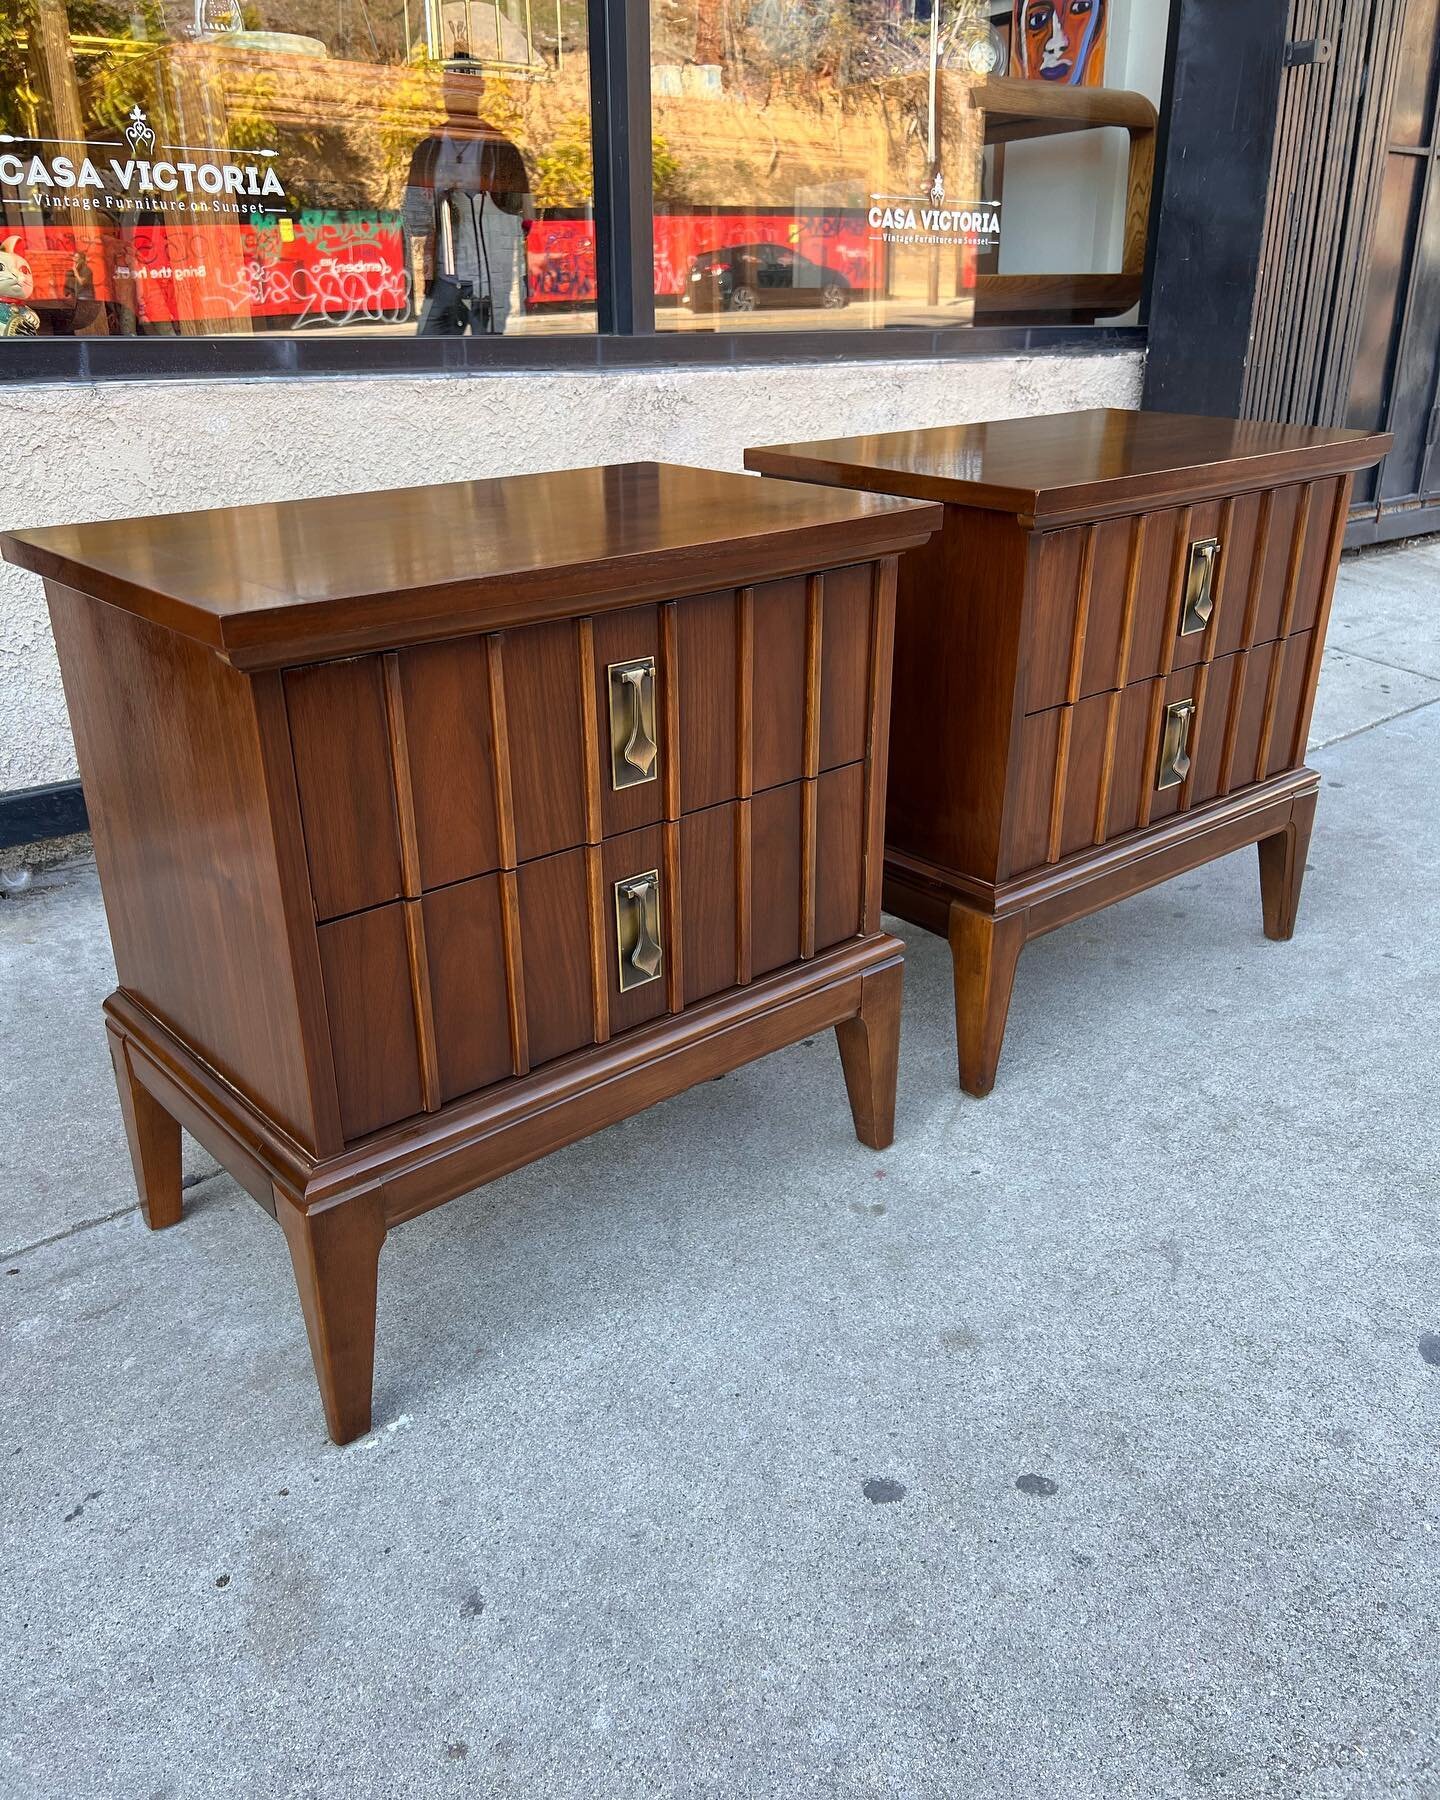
[{"x": 17, "y": 284}]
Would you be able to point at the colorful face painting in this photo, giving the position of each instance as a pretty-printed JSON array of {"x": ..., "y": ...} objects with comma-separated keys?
[{"x": 1062, "y": 40}]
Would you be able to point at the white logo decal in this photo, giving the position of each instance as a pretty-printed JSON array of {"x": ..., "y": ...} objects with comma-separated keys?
[{"x": 138, "y": 132}]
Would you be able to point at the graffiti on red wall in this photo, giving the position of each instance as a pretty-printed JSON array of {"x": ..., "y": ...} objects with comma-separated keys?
[
  {"x": 350, "y": 268},
  {"x": 319, "y": 269}
]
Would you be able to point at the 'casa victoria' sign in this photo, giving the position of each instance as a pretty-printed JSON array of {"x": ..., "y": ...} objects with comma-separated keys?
[
  {"x": 908, "y": 219},
  {"x": 142, "y": 178}
]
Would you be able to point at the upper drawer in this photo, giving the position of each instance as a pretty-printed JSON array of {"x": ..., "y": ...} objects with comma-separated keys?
[
  {"x": 435, "y": 764},
  {"x": 1127, "y": 599},
  {"x": 772, "y": 683}
]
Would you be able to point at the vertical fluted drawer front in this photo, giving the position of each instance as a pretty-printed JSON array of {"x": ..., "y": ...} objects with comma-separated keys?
[
  {"x": 634, "y": 854},
  {"x": 554, "y": 911},
  {"x": 340, "y": 744},
  {"x": 779, "y": 680},
  {"x": 369, "y": 1001},
  {"x": 710, "y": 895},
  {"x": 708, "y": 647},
  {"x": 502, "y": 952},
  {"x": 465, "y": 944},
  {"x": 444, "y": 712},
  {"x": 1314, "y": 559},
  {"x": 545, "y": 737},
  {"x": 1106, "y": 601},
  {"x": 844, "y": 625},
  {"x": 839, "y": 854},
  {"x": 1090, "y": 773},
  {"x": 776, "y": 865}
]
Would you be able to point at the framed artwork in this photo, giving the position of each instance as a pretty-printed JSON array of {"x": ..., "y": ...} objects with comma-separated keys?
[{"x": 1060, "y": 40}]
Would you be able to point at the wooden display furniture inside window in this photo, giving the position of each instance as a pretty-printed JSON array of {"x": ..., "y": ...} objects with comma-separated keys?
[
  {"x": 441, "y": 827},
  {"x": 1105, "y": 668},
  {"x": 1016, "y": 112}
]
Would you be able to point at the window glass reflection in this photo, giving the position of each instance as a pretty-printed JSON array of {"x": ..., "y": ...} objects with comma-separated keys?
[
  {"x": 393, "y": 167},
  {"x": 848, "y": 163}
]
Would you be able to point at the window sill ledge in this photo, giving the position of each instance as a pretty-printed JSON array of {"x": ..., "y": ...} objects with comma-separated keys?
[{"x": 227, "y": 358}]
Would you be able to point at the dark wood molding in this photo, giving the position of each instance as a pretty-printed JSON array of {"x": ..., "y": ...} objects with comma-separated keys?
[{"x": 31, "y": 815}]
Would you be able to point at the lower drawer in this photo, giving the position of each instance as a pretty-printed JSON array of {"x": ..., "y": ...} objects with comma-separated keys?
[
  {"x": 435, "y": 998},
  {"x": 1108, "y": 765}
]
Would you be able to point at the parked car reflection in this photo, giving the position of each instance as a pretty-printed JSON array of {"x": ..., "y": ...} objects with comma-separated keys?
[{"x": 744, "y": 277}]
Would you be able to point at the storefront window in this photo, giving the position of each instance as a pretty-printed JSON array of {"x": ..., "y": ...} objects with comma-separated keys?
[
  {"x": 393, "y": 167},
  {"x": 856, "y": 163}
]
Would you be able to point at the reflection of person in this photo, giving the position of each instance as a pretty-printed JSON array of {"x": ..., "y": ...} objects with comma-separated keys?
[
  {"x": 465, "y": 199},
  {"x": 80, "y": 292},
  {"x": 1062, "y": 40}
]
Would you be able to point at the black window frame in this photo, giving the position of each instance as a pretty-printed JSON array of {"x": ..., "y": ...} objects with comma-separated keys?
[{"x": 625, "y": 337}]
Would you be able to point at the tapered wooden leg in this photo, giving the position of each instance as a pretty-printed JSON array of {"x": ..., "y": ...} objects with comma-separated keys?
[
  {"x": 1282, "y": 869},
  {"x": 335, "y": 1250},
  {"x": 870, "y": 1055},
  {"x": 154, "y": 1142},
  {"x": 984, "y": 952}
]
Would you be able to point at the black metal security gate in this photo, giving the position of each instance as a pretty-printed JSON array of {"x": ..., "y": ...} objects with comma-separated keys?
[
  {"x": 1346, "y": 326},
  {"x": 1393, "y": 383}
]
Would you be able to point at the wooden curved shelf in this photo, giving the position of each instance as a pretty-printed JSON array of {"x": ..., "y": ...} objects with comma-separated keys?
[{"x": 1018, "y": 111}]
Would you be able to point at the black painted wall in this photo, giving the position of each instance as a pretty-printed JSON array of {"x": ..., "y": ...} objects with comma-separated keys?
[{"x": 1226, "y": 61}]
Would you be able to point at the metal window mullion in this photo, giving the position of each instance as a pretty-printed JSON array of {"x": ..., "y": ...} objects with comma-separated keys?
[{"x": 620, "y": 127}]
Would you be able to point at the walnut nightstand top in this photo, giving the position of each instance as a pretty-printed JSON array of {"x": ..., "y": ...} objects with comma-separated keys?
[{"x": 1062, "y": 467}]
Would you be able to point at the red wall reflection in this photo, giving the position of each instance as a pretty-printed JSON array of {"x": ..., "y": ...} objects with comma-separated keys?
[{"x": 350, "y": 268}]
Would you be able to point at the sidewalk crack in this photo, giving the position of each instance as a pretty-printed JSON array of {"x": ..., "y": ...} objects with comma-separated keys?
[
  {"x": 188, "y": 1186},
  {"x": 1378, "y": 662},
  {"x": 1405, "y": 712},
  {"x": 59, "y": 1237}
]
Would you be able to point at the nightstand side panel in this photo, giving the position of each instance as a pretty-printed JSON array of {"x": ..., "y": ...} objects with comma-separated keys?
[
  {"x": 199, "y": 895},
  {"x": 961, "y": 605}
]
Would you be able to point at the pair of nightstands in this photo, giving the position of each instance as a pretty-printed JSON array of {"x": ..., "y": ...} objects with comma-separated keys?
[{"x": 439, "y": 828}]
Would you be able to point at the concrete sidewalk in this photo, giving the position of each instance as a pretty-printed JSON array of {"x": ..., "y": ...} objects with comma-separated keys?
[{"x": 1082, "y": 1444}]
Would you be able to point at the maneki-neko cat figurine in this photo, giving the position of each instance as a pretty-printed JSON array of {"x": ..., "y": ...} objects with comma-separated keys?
[{"x": 17, "y": 284}]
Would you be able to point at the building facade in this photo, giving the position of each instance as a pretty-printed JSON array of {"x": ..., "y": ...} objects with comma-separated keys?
[{"x": 259, "y": 249}]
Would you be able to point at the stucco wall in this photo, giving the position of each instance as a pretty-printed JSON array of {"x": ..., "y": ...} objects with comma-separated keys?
[{"x": 124, "y": 448}]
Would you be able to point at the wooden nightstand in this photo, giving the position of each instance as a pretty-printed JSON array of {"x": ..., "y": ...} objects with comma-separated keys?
[
  {"x": 1105, "y": 668},
  {"x": 438, "y": 828}
]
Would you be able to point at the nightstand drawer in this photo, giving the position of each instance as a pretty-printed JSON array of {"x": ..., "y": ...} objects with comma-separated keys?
[
  {"x": 771, "y": 683},
  {"x": 439, "y": 763},
  {"x": 1115, "y": 763},
  {"x": 1126, "y": 599},
  {"x": 438, "y": 997}
]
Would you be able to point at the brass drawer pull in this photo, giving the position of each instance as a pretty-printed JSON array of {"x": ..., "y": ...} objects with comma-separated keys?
[
  {"x": 1199, "y": 586},
  {"x": 1175, "y": 745},
  {"x": 637, "y": 929},
  {"x": 634, "y": 754}
]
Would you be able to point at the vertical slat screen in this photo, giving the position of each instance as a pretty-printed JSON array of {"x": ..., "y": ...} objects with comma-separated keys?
[{"x": 1324, "y": 194}]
